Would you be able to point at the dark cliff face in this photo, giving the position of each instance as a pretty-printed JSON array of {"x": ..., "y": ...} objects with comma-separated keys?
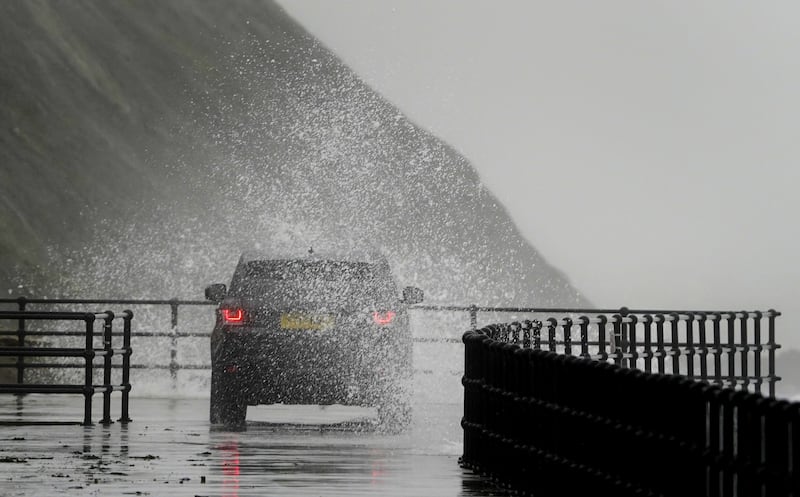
[{"x": 146, "y": 144}]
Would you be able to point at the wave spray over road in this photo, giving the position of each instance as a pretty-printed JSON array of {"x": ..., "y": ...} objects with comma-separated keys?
[{"x": 148, "y": 144}]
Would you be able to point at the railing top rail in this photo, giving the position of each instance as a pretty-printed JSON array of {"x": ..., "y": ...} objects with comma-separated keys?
[
  {"x": 55, "y": 316},
  {"x": 623, "y": 311},
  {"x": 654, "y": 318},
  {"x": 107, "y": 301}
]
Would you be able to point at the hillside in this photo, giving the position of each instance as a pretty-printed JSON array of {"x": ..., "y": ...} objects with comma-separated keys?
[{"x": 146, "y": 144}]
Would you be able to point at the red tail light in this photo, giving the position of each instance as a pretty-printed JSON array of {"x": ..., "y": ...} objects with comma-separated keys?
[
  {"x": 233, "y": 316},
  {"x": 383, "y": 318}
]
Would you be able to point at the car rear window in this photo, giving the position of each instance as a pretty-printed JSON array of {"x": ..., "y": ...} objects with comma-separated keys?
[
  {"x": 308, "y": 270},
  {"x": 356, "y": 283}
]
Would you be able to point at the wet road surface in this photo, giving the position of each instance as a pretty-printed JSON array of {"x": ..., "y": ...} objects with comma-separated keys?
[{"x": 170, "y": 449}]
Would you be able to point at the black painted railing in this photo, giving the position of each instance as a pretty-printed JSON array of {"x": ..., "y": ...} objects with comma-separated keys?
[
  {"x": 543, "y": 422},
  {"x": 738, "y": 347},
  {"x": 88, "y": 352},
  {"x": 735, "y": 348},
  {"x": 173, "y": 330}
]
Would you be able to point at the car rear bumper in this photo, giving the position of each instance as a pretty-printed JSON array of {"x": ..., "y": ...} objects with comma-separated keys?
[{"x": 321, "y": 367}]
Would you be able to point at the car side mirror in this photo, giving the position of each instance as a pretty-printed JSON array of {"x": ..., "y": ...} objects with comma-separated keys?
[
  {"x": 216, "y": 292},
  {"x": 412, "y": 295}
]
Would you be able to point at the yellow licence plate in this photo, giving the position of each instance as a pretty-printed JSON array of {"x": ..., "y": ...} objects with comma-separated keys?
[{"x": 296, "y": 321}]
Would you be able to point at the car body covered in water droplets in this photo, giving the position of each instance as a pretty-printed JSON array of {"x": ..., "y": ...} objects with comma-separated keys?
[{"x": 316, "y": 329}]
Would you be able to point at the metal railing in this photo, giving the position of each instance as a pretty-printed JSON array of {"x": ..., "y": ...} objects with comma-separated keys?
[
  {"x": 733, "y": 347},
  {"x": 87, "y": 352},
  {"x": 174, "y": 333},
  {"x": 538, "y": 420}
]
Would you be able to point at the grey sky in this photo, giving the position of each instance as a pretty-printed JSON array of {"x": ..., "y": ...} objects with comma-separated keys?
[{"x": 648, "y": 149}]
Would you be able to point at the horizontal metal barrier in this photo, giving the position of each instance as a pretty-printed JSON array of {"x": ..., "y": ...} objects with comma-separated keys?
[
  {"x": 88, "y": 353},
  {"x": 537, "y": 420},
  {"x": 173, "y": 333},
  {"x": 726, "y": 347}
]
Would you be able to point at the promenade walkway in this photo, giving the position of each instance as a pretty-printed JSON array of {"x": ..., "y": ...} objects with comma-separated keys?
[{"x": 170, "y": 449}]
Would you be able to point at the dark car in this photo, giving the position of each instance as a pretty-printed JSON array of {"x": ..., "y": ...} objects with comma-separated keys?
[{"x": 319, "y": 329}]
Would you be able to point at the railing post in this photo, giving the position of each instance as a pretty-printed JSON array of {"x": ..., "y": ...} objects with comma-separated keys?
[
  {"x": 727, "y": 437},
  {"x": 745, "y": 373},
  {"x": 757, "y": 350},
  {"x": 583, "y": 322},
  {"x": 21, "y": 302},
  {"x": 716, "y": 318},
  {"x": 173, "y": 343},
  {"x": 526, "y": 333},
  {"x": 662, "y": 353},
  {"x": 126, "y": 365},
  {"x": 514, "y": 329},
  {"x": 601, "y": 337},
  {"x": 567, "y": 328},
  {"x": 631, "y": 345},
  {"x": 551, "y": 334},
  {"x": 690, "y": 350},
  {"x": 625, "y": 338},
  {"x": 731, "y": 321},
  {"x": 701, "y": 331},
  {"x": 88, "y": 355},
  {"x": 473, "y": 317},
  {"x": 647, "y": 319},
  {"x": 771, "y": 354},
  {"x": 675, "y": 349},
  {"x": 777, "y": 447},
  {"x": 107, "y": 325},
  {"x": 616, "y": 340}
]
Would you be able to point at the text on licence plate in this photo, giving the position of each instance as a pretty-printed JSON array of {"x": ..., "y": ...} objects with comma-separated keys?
[{"x": 297, "y": 321}]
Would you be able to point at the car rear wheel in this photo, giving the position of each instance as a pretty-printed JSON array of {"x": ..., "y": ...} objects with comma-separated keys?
[
  {"x": 394, "y": 411},
  {"x": 226, "y": 405},
  {"x": 394, "y": 418}
]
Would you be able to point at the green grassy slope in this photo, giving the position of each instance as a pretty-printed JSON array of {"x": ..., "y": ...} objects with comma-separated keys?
[{"x": 145, "y": 144}]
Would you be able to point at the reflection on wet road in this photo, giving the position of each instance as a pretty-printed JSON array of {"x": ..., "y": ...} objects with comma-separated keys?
[{"x": 170, "y": 449}]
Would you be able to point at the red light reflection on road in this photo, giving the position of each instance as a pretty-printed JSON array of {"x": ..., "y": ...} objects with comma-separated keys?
[
  {"x": 378, "y": 472},
  {"x": 230, "y": 469}
]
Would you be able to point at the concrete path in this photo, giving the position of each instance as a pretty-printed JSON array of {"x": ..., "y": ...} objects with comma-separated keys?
[{"x": 170, "y": 449}]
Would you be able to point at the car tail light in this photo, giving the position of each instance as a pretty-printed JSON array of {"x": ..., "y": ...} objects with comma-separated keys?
[
  {"x": 383, "y": 318},
  {"x": 233, "y": 316}
]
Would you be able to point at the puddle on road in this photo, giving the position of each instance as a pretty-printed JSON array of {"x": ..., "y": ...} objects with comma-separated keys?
[{"x": 170, "y": 449}]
